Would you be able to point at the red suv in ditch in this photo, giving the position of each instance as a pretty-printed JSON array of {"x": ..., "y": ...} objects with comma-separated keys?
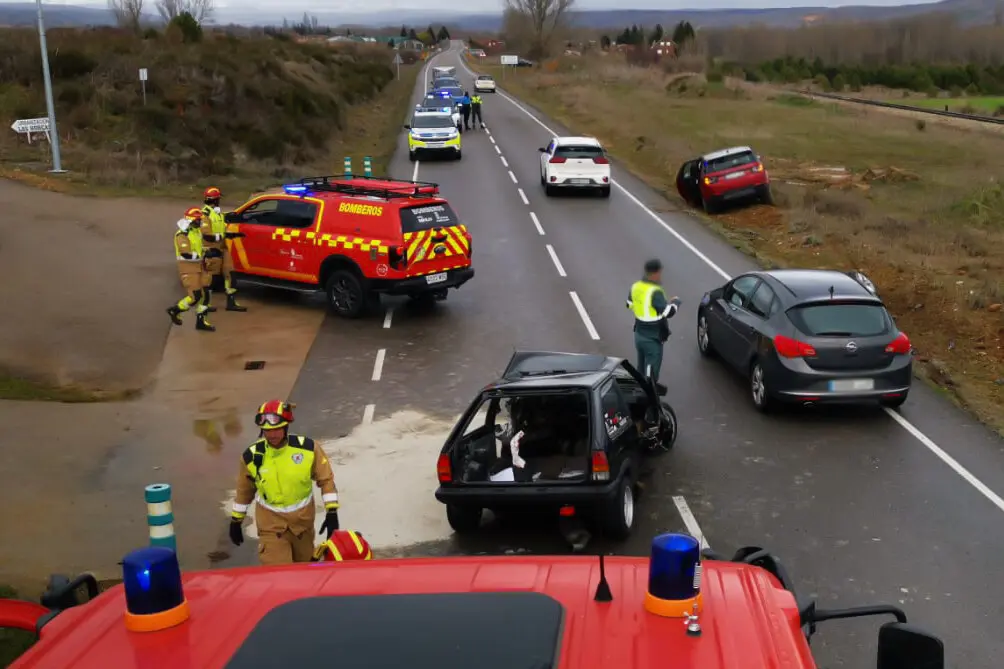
[{"x": 722, "y": 177}]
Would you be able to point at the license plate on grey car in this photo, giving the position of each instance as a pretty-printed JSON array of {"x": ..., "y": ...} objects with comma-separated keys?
[{"x": 851, "y": 385}]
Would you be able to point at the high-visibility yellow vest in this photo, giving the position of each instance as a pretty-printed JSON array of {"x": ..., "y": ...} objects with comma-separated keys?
[
  {"x": 283, "y": 476},
  {"x": 219, "y": 225},
  {"x": 642, "y": 293},
  {"x": 188, "y": 242},
  {"x": 476, "y": 100}
]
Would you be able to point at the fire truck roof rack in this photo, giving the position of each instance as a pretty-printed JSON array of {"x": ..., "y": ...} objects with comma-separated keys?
[{"x": 354, "y": 184}]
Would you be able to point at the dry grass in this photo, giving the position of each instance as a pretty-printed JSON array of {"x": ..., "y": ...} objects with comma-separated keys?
[
  {"x": 928, "y": 232},
  {"x": 240, "y": 113}
]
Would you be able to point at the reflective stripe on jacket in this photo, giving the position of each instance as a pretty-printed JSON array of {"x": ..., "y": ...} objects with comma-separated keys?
[
  {"x": 640, "y": 302},
  {"x": 188, "y": 243}
]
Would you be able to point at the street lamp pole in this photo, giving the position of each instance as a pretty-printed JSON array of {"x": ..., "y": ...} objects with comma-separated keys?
[{"x": 57, "y": 163}]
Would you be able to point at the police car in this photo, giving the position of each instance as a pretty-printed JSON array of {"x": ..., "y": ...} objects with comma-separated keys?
[
  {"x": 438, "y": 103},
  {"x": 433, "y": 131}
]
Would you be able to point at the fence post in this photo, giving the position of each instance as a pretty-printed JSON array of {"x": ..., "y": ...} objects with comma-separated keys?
[
  {"x": 367, "y": 166},
  {"x": 160, "y": 516},
  {"x": 348, "y": 165}
]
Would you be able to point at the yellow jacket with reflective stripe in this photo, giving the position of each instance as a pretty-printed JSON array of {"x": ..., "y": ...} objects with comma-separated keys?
[
  {"x": 213, "y": 225},
  {"x": 475, "y": 99},
  {"x": 640, "y": 301},
  {"x": 191, "y": 243}
]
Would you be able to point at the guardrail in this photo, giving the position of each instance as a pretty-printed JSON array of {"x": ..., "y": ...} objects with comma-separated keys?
[{"x": 892, "y": 105}]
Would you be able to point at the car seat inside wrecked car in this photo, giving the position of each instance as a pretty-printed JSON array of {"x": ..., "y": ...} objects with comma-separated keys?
[{"x": 530, "y": 438}]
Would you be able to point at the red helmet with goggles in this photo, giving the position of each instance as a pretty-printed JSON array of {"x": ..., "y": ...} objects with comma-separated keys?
[{"x": 274, "y": 414}]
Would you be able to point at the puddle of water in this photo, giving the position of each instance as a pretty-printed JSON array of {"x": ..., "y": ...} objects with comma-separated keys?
[{"x": 386, "y": 477}]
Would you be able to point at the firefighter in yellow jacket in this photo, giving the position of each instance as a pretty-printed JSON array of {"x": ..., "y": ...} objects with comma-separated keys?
[
  {"x": 188, "y": 251},
  {"x": 216, "y": 238},
  {"x": 277, "y": 472}
]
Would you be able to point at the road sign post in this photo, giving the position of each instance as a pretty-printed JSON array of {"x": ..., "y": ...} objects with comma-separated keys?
[
  {"x": 53, "y": 133},
  {"x": 143, "y": 76},
  {"x": 508, "y": 60},
  {"x": 397, "y": 63},
  {"x": 31, "y": 126}
]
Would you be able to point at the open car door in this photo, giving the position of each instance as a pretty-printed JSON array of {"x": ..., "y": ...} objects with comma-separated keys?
[{"x": 687, "y": 182}]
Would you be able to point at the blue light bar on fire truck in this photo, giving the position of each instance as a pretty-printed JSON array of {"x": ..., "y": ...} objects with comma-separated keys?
[
  {"x": 674, "y": 576},
  {"x": 295, "y": 189}
]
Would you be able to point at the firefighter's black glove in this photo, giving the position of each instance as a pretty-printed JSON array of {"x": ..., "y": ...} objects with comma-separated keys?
[
  {"x": 330, "y": 523},
  {"x": 235, "y": 235},
  {"x": 236, "y": 532},
  {"x": 214, "y": 253}
]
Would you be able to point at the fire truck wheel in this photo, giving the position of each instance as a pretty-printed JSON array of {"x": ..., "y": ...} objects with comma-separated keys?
[{"x": 346, "y": 296}]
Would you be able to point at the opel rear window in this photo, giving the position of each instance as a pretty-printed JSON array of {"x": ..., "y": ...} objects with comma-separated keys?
[
  {"x": 846, "y": 319},
  {"x": 578, "y": 151},
  {"x": 426, "y": 217},
  {"x": 730, "y": 161}
]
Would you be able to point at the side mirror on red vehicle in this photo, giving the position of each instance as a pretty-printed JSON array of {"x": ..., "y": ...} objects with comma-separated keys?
[{"x": 903, "y": 646}]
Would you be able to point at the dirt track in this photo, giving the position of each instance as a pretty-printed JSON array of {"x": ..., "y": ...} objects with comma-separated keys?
[{"x": 83, "y": 293}]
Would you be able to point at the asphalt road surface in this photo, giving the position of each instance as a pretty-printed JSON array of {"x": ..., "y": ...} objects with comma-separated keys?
[{"x": 864, "y": 505}]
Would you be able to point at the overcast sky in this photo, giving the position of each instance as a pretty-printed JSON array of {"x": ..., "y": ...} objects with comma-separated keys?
[{"x": 297, "y": 7}]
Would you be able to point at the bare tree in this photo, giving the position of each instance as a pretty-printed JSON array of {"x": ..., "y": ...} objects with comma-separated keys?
[
  {"x": 127, "y": 12},
  {"x": 541, "y": 18},
  {"x": 199, "y": 9}
]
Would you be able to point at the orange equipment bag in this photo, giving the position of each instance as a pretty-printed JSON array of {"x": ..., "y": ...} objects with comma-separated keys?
[{"x": 342, "y": 546}]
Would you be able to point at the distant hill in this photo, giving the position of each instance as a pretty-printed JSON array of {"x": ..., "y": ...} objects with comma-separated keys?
[{"x": 968, "y": 11}]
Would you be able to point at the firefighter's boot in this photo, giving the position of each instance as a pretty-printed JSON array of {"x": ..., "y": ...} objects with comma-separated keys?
[
  {"x": 175, "y": 314},
  {"x": 202, "y": 324},
  {"x": 232, "y": 303}
]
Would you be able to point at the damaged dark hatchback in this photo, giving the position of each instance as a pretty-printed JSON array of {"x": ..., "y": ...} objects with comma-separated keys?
[{"x": 565, "y": 433}]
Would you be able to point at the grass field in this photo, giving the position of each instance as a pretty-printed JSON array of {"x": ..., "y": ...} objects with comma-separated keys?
[
  {"x": 989, "y": 104},
  {"x": 919, "y": 208}
]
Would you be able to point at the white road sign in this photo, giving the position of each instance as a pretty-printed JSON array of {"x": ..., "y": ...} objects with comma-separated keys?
[
  {"x": 510, "y": 60},
  {"x": 397, "y": 59},
  {"x": 27, "y": 126},
  {"x": 143, "y": 74}
]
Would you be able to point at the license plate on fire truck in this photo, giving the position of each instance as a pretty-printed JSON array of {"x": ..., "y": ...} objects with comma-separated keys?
[{"x": 436, "y": 278}]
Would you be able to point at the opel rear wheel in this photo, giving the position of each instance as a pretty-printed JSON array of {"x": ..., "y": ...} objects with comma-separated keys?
[
  {"x": 618, "y": 514},
  {"x": 758, "y": 388},
  {"x": 464, "y": 519}
]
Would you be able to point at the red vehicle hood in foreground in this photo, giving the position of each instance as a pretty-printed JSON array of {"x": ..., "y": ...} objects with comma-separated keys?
[{"x": 510, "y": 612}]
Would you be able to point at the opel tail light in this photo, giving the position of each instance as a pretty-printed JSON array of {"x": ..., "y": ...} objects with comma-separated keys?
[
  {"x": 444, "y": 471},
  {"x": 787, "y": 347},
  {"x": 557, "y": 160},
  {"x": 900, "y": 345},
  {"x": 600, "y": 466},
  {"x": 601, "y": 161}
]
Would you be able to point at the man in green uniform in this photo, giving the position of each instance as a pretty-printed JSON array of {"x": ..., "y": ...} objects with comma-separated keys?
[{"x": 647, "y": 300}]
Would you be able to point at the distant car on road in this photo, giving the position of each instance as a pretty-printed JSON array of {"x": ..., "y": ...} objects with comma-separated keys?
[
  {"x": 445, "y": 82},
  {"x": 729, "y": 175},
  {"x": 807, "y": 336},
  {"x": 574, "y": 163},
  {"x": 565, "y": 433},
  {"x": 484, "y": 83}
]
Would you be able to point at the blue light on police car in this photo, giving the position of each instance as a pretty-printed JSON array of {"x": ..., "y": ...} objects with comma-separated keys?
[
  {"x": 154, "y": 595},
  {"x": 674, "y": 576},
  {"x": 295, "y": 189}
]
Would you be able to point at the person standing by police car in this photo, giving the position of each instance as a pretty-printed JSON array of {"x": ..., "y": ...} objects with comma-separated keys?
[
  {"x": 647, "y": 300},
  {"x": 465, "y": 110},
  {"x": 476, "y": 119},
  {"x": 278, "y": 473}
]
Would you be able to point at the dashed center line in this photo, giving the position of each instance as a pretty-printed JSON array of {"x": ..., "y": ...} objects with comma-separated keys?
[
  {"x": 533, "y": 217},
  {"x": 378, "y": 365},
  {"x": 590, "y": 328},
  {"x": 387, "y": 318},
  {"x": 557, "y": 263},
  {"x": 368, "y": 414},
  {"x": 491, "y": 138},
  {"x": 504, "y": 161},
  {"x": 522, "y": 196},
  {"x": 513, "y": 177},
  {"x": 498, "y": 150}
]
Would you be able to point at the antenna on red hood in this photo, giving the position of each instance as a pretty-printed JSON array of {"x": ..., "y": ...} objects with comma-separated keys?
[{"x": 603, "y": 593}]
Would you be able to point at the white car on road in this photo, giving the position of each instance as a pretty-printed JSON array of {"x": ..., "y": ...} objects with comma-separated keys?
[
  {"x": 574, "y": 162},
  {"x": 484, "y": 83}
]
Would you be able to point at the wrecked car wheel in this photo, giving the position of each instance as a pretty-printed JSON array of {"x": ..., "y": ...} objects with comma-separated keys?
[
  {"x": 618, "y": 516},
  {"x": 463, "y": 519}
]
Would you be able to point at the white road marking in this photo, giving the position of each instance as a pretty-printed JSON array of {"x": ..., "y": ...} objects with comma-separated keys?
[
  {"x": 387, "y": 318},
  {"x": 689, "y": 521},
  {"x": 513, "y": 177},
  {"x": 557, "y": 263},
  {"x": 368, "y": 414},
  {"x": 378, "y": 365},
  {"x": 533, "y": 217},
  {"x": 522, "y": 196},
  {"x": 492, "y": 139},
  {"x": 504, "y": 161},
  {"x": 498, "y": 150},
  {"x": 584, "y": 316},
  {"x": 414, "y": 174},
  {"x": 912, "y": 429}
]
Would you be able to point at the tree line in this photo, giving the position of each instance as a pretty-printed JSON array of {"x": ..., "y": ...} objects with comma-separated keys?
[
  {"x": 638, "y": 36},
  {"x": 129, "y": 13}
]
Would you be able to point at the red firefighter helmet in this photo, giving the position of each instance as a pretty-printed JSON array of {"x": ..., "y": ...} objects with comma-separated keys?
[
  {"x": 193, "y": 214},
  {"x": 344, "y": 545},
  {"x": 212, "y": 193},
  {"x": 274, "y": 414}
]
